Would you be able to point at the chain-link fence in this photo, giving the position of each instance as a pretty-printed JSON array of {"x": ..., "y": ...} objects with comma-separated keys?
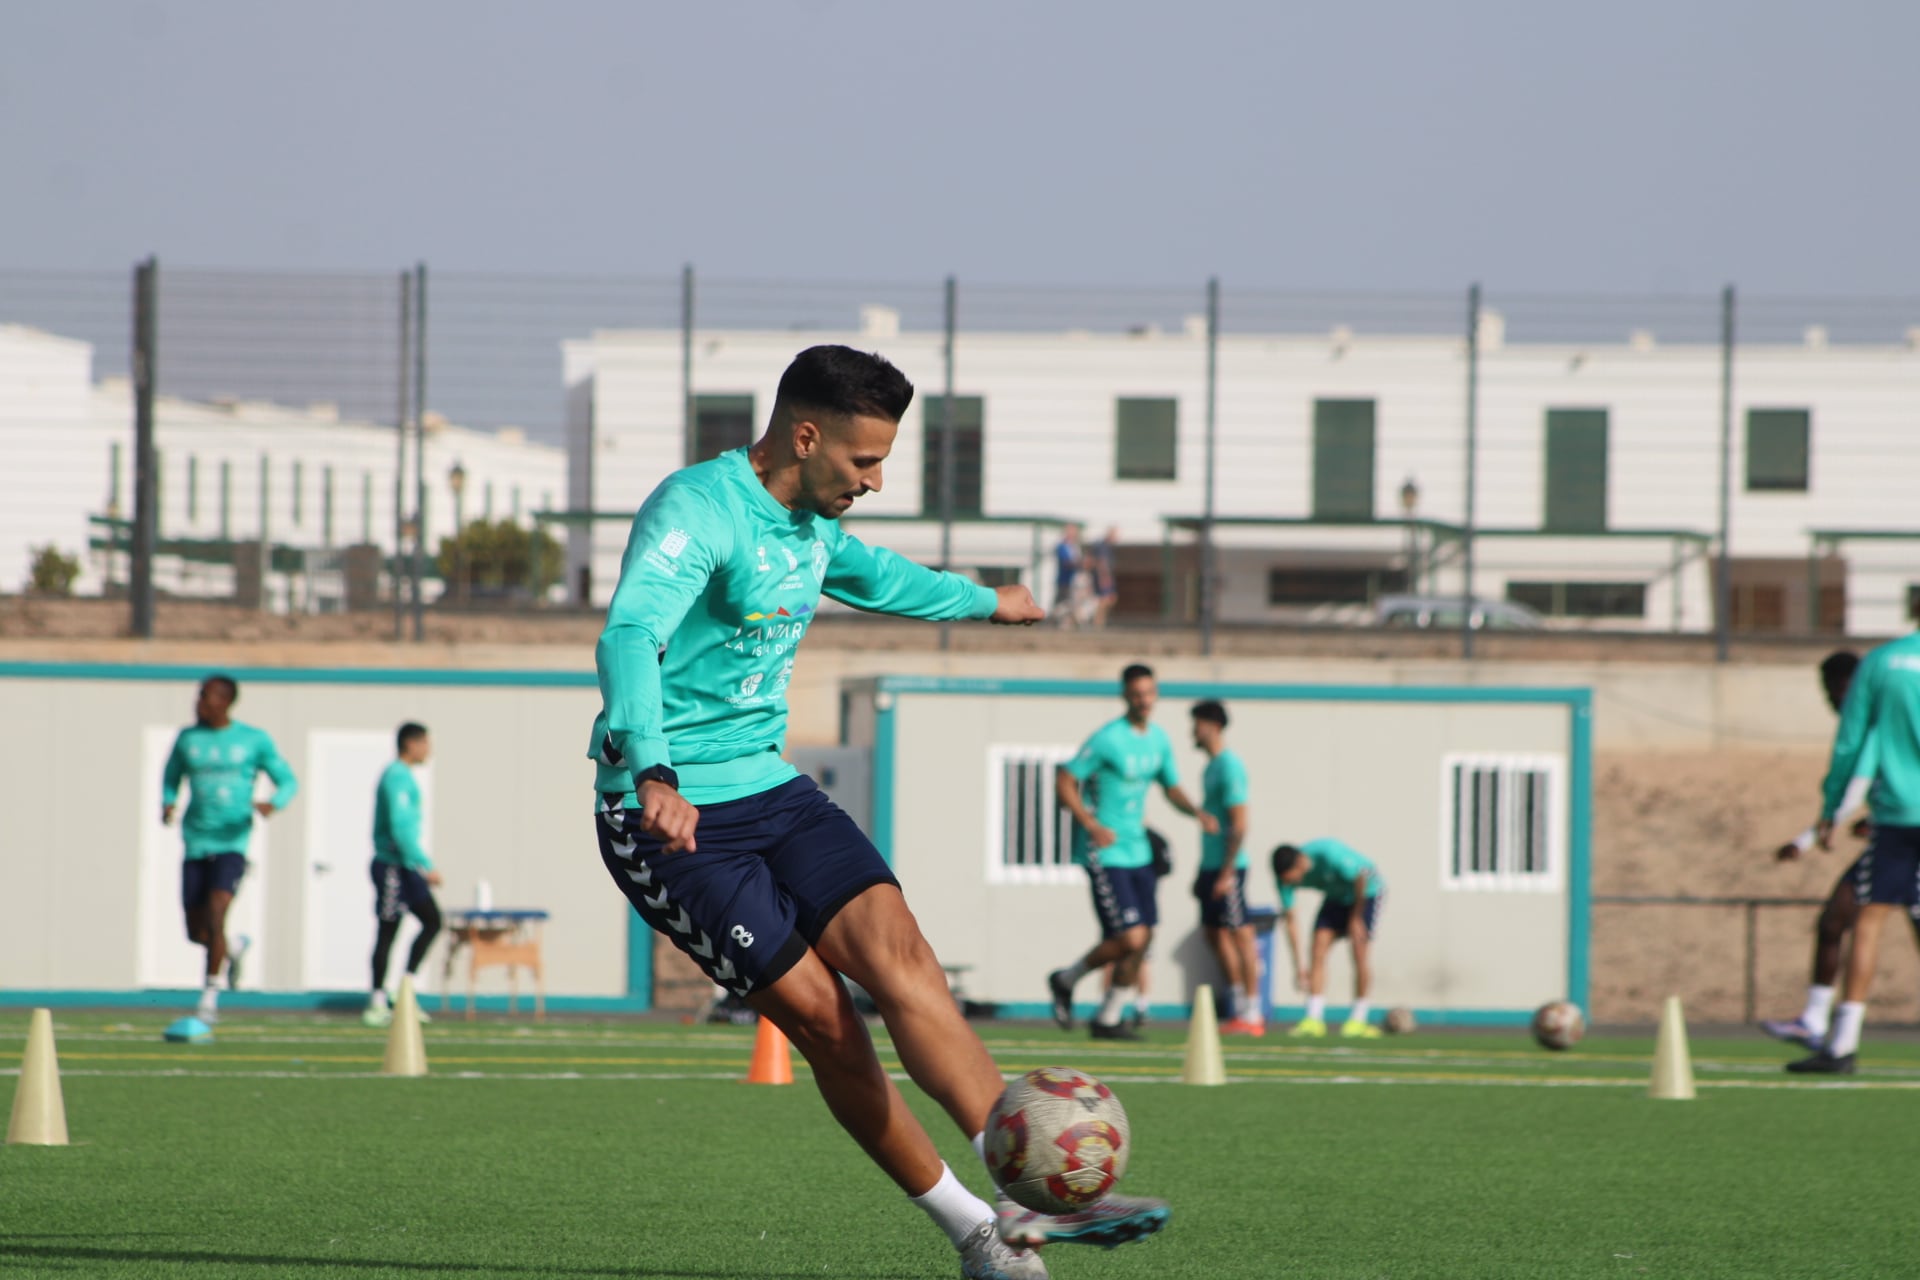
[{"x": 1200, "y": 456}]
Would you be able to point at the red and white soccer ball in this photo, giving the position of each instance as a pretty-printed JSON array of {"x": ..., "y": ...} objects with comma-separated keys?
[
  {"x": 1057, "y": 1140},
  {"x": 1559, "y": 1024}
]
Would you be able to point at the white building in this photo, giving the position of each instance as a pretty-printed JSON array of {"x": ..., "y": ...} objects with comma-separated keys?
[
  {"x": 1598, "y": 475},
  {"x": 229, "y": 471}
]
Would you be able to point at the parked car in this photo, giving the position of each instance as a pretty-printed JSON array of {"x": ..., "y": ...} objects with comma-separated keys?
[{"x": 1443, "y": 613}]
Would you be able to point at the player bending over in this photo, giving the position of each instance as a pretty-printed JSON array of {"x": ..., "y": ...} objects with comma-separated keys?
[
  {"x": 1221, "y": 884},
  {"x": 1351, "y": 889},
  {"x": 744, "y": 863},
  {"x": 219, "y": 759},
  {"x": 403, "y": 874}
]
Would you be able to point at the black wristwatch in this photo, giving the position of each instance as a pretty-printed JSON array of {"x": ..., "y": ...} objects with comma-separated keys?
[{"x": 658, "y": 773}]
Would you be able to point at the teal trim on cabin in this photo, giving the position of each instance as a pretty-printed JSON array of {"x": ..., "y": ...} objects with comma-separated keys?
[
  {"x": 181, "y": 1000},
  {"x": 300, "y": 675}
]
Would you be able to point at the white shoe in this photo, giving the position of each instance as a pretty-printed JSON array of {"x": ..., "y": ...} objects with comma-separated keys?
[
  {"x": 1109, "y": 1222},
  {"x": 376, "y": 1015},
  {"x": 985, "y": 1256}
]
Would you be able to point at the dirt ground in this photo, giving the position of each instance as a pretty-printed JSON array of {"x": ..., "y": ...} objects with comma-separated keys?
[{"x": 1706, "y": 825}]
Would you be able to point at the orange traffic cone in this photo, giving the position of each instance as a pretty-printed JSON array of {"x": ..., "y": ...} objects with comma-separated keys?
[{"x": 772, "y": 1057}]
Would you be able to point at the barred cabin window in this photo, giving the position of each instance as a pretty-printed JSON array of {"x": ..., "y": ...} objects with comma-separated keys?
[
  {"x": 1501, "y": 822},
  {"x": 1029, "y": 834}
]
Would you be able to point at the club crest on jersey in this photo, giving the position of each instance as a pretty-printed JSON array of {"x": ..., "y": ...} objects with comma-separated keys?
[
  {"x": 820, "y": 560},
  {"x": 665, "y": 556}
]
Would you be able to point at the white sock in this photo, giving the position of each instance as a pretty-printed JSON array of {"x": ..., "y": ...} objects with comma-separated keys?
[
  {"x": 1118, "y": 998},
  {"x": 1846, "y": 1028},
  {"x": 378, "y": 1000},
  {"x": 1250, "y": 1010},
  {"x": 980, "y": 1147},
  {"x": 1316, "y": 1007},
  {"x": 1815, "y": 1017},
  {"x": 1075, "y": 971},
  {"x": 953, "y": 1208},
  {"x": 209, "y": 996},
  {"x": 1360, "y": 1010},
  {"x": 1140, "y": 1003}
]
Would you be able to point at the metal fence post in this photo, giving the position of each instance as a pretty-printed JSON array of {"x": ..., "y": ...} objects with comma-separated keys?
[
  {"x": 688, "y": 444},
  {"x": 146, "y": 516},
  {"x": 1723, "y": 582},
  {"x": 1473, "y": 474},
  {"x": 398, "y": 576},
  {"x": 950, "y": 312},
  {"x": 419, "y": 450},
  {"x": 1208, "y": 567}
]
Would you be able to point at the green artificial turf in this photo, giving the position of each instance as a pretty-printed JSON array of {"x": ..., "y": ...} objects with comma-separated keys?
[{"x": 611, "y": 1149}]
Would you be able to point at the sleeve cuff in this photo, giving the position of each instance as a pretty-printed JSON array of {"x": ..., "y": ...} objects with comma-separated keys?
[
  {"x": 639, "y": 753},
  {"x": 985, "y": 601}
]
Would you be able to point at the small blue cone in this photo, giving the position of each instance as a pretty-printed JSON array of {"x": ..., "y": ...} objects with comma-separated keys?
[{"x": 189, "y": 1031}]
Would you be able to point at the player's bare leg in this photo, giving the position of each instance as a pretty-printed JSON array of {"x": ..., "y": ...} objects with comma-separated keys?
[
  {"x": 1111, "y": 950},
  {"x": 1226, "y": 954},
  {"x": 1315, "y": 1021},
  {"x": 1251, "y": 1010},
  {"x": 1357, "y": 1025},
  {"x": 215, "y": 942},
  {"x": 1829, "y": 944},
  {"x": 876, "y": 941}
]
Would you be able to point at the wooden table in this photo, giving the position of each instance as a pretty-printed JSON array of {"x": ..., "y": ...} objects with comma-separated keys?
[{"x": 510, "y": 938}]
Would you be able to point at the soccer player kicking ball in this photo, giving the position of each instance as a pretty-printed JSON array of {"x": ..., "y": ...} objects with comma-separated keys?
[
  {"x": 1351, "y": 889},
  {"x": 744, "y": 863},
  {"x": 1104, "y": 787},
  {"x": 1883, "y": 705},
  {"x": 1221, "y": 885},
  {"x": 219, "y": 759}
]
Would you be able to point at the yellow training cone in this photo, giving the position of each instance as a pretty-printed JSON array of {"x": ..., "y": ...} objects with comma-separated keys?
[
  {"x": 406, "y": 1051},
  {"x": 1203, "y": 1043},
  {"x": 1672, "y": 1063},
  {"x": 39, "y": 1113}
]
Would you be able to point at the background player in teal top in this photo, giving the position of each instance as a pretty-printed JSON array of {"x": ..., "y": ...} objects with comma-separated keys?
[
  {"x": 1221, "y": 884},
  {"x": 1105, "y": 787},
  {"x": 403, "y": 874},
  {"x": 1842, "y": 907},
  {"x": 1882, "y": 707},
  {"x": 1351, "y": 889},
  {"x": 744, "y": 864},
  {"x": 218, "y": 758}
]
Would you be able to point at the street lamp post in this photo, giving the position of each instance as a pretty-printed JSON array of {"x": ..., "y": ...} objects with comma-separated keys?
[
  {"x": 457, "y": 481},
  {"x": 1409, "y": 504}
]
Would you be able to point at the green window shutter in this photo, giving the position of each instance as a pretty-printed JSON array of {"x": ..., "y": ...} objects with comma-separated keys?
[
  {"x": 1146, "y": 439},
  {"x": 1778, "y": 441},
  {"x": 1343, "y": 459},
  {"x": 969, "y": 455},
  {"x": 1576, "y": 471},
  {"x": 720, "y": 423}
]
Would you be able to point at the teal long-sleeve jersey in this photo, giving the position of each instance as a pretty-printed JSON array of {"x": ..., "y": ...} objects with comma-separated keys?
[
  {"x": 219, "y": 766},
  {"x": 717, "y": 587},
  {"x": 396, "y": 819},
  {"x": 1882, "y": 707}
]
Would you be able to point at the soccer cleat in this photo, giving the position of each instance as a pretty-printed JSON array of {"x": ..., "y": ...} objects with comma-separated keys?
[
  {"x": 234, "y": 957},
  {"x": 1313, "y": 1027},
  {"x": 1823, "y": 1063},
  {"x": 376, "y": 1017},
  {"x": 1243, "y": 1027},
  {"x": 1794, "y": 1031},
  {"x": 1357, "y": 1030},
  {"x": 985, "y": 1256},
  {"x": 1116, "y": 1031},
  {"x": 1110, "y": 1222},
  {"x": 1062, "y": 992}
]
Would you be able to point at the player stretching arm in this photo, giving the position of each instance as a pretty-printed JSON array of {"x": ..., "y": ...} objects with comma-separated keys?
[{"x": 742, "y": 862}]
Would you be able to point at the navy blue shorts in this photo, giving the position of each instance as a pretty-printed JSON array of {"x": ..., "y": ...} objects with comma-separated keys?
[
  {"x": 1123, "y": 897},
  {"x": 1338, "y": 916},
  {"x": 201, "y": 878},
  {"x": 1228, "y": 911},
  {"x": 1889, "y": 871},
  {"x": 398, "y": 890},
  {"x": 771, "y": 872}
]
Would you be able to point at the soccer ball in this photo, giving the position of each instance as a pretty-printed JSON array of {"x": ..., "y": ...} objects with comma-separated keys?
[
  {"x": 1559, "y": 1024},
  {"x": 1400, "y": 1021},
  {"x": 1057, "y": 1140}
]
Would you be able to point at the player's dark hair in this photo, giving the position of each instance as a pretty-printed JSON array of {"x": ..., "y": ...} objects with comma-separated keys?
[
  {"x": 839, "y": 380},
  {"x": 1836, "y": 673},
  {"x": 409, "y": 733},
  {"x": 1135, "y": 671},
  {"x": 1284, "y": 857},
  {"x": 1210, "y": 711},
  {"x": 232, "y": 686}
]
